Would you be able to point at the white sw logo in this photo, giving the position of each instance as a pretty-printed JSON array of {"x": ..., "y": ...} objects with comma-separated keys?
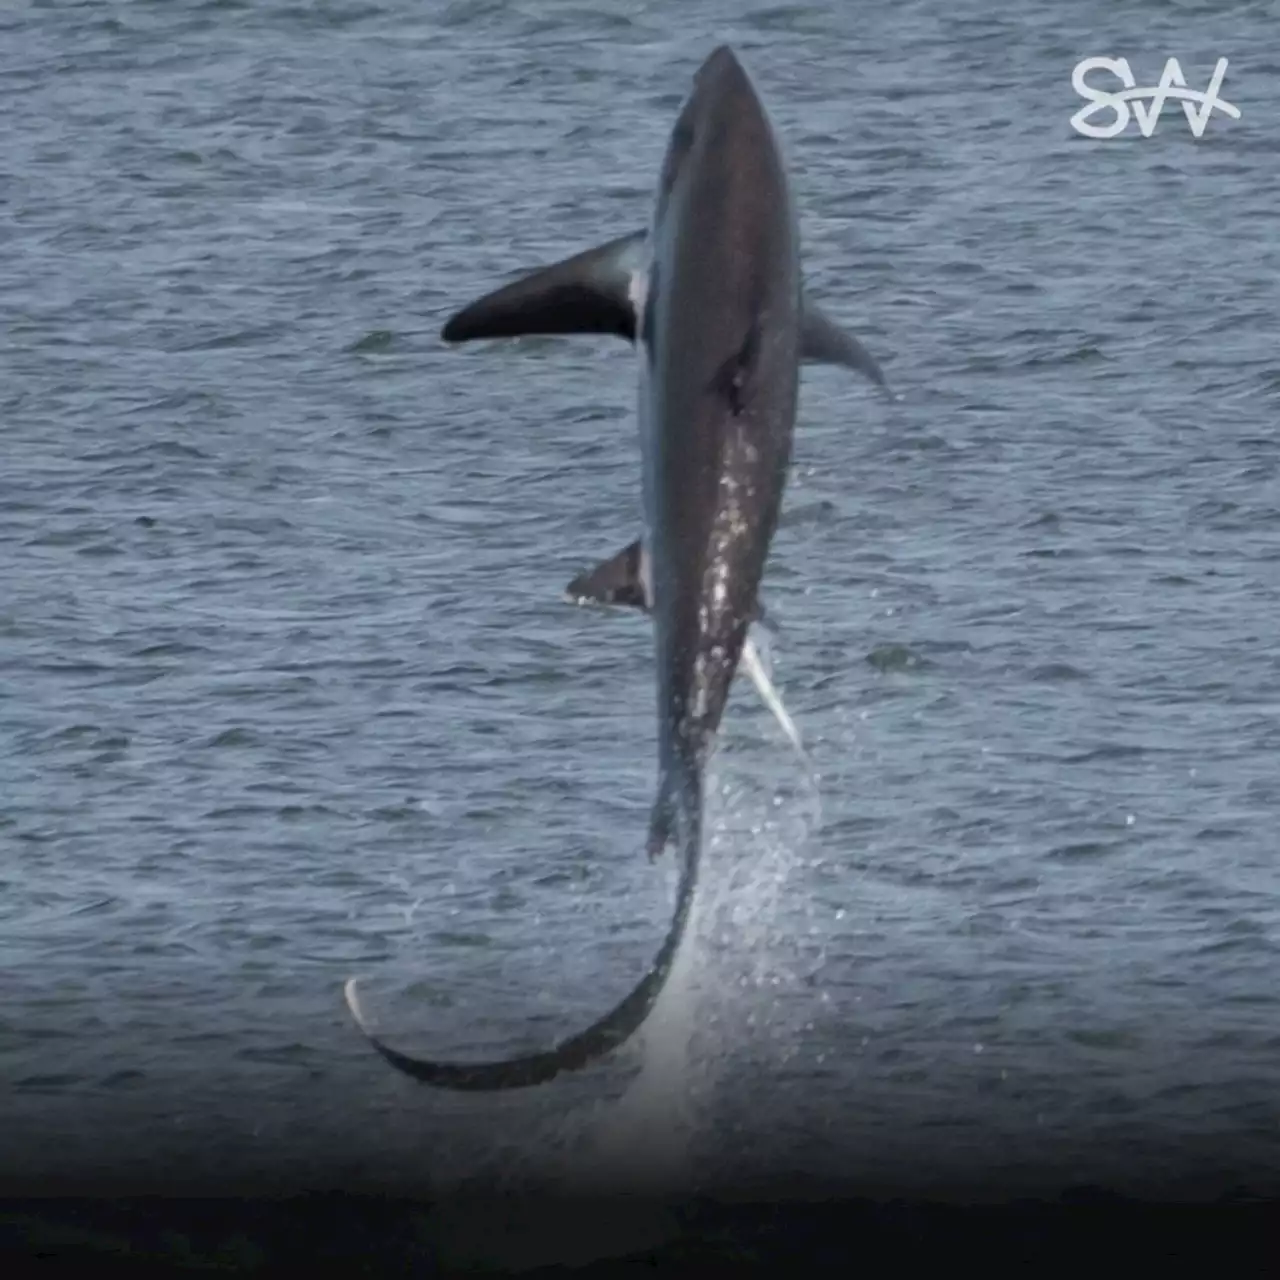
[{"x": 1172, "y": 85}]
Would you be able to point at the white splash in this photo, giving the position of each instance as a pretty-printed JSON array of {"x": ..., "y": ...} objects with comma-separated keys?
[
  {"x": 730, "y": 976},
  {"x": 640, "y": 1143}
]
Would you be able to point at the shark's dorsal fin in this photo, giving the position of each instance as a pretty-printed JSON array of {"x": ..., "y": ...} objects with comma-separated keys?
[
  {"x": 622, "y": 580},
  {"x": 823, "y": 341},
  {"x": 591, "y": 292},
  {"x": 616, "y": 581}
]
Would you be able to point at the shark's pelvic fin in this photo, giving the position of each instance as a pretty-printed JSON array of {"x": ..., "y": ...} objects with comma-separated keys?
[
  {"x": 591, "y": 292},
  {"x": 769, "y": 696}
]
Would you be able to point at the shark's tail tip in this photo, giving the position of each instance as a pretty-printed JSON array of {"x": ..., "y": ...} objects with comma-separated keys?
[{"x": 352, "y": 1001}]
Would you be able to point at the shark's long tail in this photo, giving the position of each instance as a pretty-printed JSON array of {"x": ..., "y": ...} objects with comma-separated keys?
[
  {"x": 599, "y": 1039},
  {"x": 625, "y": 1019}
]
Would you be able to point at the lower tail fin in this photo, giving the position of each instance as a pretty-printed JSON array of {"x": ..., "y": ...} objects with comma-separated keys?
[
  {"x": 662, "y": 821},
  {"x": 677, "y": 810}
]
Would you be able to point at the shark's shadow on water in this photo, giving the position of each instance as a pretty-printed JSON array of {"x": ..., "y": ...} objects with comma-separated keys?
[{"x": 713, "y": 298}]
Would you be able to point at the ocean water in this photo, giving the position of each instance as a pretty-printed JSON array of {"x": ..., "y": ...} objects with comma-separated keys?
[{"x": 288, "y": 691}]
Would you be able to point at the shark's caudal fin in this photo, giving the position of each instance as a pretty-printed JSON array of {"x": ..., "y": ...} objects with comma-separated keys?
[
  {"x": 597, "y": 291},
  {"x": 677, "y": 808},
  {"x": 662, "y": 823},
  {"x": 591, "y": 292},
  {"x": 663, "y": 817},
  {"x": 578, "y": 1051}
]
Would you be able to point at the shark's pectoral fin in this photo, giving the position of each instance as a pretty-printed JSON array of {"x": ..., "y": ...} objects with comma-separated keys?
[
  {"x": 823, "y": 341},
  {"x": 618, "y": 580},
  {"x": 591, "y": 292}
]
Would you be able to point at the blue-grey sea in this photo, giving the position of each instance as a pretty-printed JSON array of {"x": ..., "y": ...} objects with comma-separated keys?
[{"x": 289, "y": 691}]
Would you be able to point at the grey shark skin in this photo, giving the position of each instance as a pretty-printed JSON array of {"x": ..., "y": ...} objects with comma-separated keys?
[{"x": 712, "y": 295}]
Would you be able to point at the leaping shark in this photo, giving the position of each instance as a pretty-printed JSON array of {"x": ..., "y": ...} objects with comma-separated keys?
[{"x": 712, "y": 296}]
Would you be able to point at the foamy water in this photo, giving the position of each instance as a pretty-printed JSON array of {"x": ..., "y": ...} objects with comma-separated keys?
[{"x": 731, "y": 954}]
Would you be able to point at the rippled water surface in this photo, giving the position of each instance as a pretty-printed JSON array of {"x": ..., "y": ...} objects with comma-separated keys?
[{"x": 289, "y": 691}]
